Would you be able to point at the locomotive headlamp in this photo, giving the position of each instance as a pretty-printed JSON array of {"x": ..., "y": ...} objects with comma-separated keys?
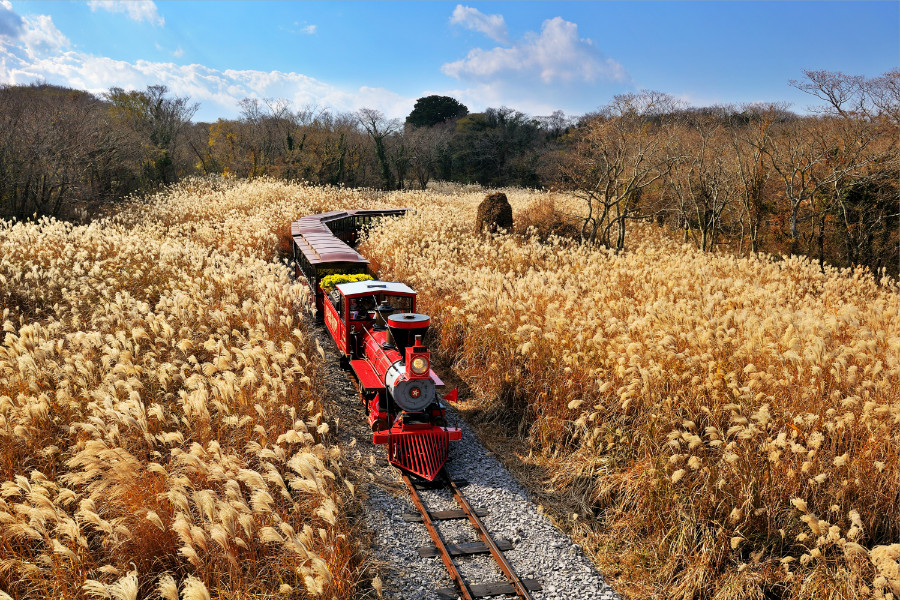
[{"x": 419, "y": 365}]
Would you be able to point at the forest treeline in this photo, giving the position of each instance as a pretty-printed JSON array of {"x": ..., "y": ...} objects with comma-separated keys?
[{"x": 746, "y": 178}]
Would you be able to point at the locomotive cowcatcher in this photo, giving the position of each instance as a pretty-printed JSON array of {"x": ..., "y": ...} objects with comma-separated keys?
[{"x": 380, "y": 336}]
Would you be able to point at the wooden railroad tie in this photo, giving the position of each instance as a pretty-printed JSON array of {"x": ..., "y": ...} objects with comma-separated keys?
[
  {"x": 487, "y": 544},
  {"x": 464, "y": 548},
  {"x": 438, "y": 485},
  {"x": 482, "y": 590},
  {"x": 441, "y": 515}
]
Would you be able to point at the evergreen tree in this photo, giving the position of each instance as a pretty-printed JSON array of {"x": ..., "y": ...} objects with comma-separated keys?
[{"x": 432, "y": 110}]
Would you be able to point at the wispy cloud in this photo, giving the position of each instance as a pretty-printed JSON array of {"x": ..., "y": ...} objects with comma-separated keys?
[
  {"x": 41, "y": 37},
  {"x": 296, "y": 28},
  {"x": 493, "y": 26},
  {"x": 33, "y": 49},
  {"x": 177, "y": 53},
  {"x": 554, "y": 55},
  {"x": 136, "y": 10},
  {"x": 32, "y": 36}
]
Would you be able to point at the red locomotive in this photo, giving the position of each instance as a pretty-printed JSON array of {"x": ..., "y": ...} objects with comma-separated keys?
[{"x": 376, "y": 328}]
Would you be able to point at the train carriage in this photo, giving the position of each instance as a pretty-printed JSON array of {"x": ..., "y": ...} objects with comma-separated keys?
[{"x": 323, "y": 245}]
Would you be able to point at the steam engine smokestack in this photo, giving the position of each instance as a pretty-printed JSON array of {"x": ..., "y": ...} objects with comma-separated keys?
[{"x": 408, "y": 329}]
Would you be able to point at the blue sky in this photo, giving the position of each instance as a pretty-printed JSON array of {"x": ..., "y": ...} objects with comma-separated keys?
[{"x": 532, "y": 56}]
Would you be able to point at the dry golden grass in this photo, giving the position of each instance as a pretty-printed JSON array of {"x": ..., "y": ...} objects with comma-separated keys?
[
  {"x": 727, "y": 427},
  {"x": 161, "y": 426},
  {"x": 730, "y": 425}
]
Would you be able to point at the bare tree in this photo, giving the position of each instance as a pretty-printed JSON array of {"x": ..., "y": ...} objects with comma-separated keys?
[
  {"x": 795, "y": 158},
  {"x": 556, "y": 124},
  {"x": 884, "y": 92},
  {"x": 58, "y": 147},
  {"x": 843, "y": 139},
  {"x": 844, "y": 95},
  {"x": 379, "y": 128},
  {"x": 334, "y": 149},
  {"x": 702, "y": 178},
  {"x": 426, "y": 144},
  {"x": 749, "y": 144},
  {"x": 158, "y": 118},
  {"x": 617, "y": 156},
  {"x": 274, "y": 136}
]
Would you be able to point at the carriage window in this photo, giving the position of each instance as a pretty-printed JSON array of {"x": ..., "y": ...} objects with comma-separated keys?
[
  {"x": 401, "y": 304},
  {"x": 360, "y": 307}
]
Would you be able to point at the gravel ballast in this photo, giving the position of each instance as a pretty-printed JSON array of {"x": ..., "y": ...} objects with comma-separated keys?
[{"x": 540, "y": 550}]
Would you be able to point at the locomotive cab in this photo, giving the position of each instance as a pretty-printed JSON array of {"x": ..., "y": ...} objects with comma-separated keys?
[{"x": 364, "y": 306}]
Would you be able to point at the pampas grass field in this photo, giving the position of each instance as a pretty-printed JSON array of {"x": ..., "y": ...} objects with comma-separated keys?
[
  {"x": 161, "y": 424},
  {"x": 724, "y": 427}
]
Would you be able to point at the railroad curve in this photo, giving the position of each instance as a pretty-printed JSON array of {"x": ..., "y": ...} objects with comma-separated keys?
[{"x": 543, "y": 563}]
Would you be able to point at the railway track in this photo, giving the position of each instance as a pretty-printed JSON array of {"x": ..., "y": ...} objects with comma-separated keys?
[
  {"x": 513, "y": 586},
  {"x": 536, "y": 546},
  {"x": 323, "y": 243}
]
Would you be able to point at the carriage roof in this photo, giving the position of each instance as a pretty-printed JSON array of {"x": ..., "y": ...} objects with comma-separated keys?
[
  {"x": 374, "y": 287},
  {"x": 315, "y": 239}
]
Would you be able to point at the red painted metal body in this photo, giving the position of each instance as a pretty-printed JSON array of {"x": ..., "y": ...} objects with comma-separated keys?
[
  {"x": 374, "y": 352},
  {"x": 390, "y": 363},
  {"x": 366, "y": 376},
  {"x": 419, "y": 449},
  {"x": 336, "y": 327},
  {"x": 402, "y": 405}
]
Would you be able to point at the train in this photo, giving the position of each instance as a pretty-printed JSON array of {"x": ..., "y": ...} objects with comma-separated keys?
[{"x": 381, "y": 337}]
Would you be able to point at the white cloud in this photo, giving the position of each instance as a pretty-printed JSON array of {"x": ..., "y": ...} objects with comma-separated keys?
[
  {"x": 33, "y": 35},
  {"x": 219, "y": 92},
  {"x": 309, "y": 29},
  {"x": 40, "y": 36},
  {"x": 556, "y": 55},
  {"x": 137, "y": 10},
  {"x": 33, "y": 49},
  {"x": 493, "y": 26}
]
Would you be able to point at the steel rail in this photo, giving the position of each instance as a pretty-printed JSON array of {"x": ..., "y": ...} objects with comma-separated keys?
[
  {"x": 499, "y": 557},
  {"x": 439, "y": 543}
]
